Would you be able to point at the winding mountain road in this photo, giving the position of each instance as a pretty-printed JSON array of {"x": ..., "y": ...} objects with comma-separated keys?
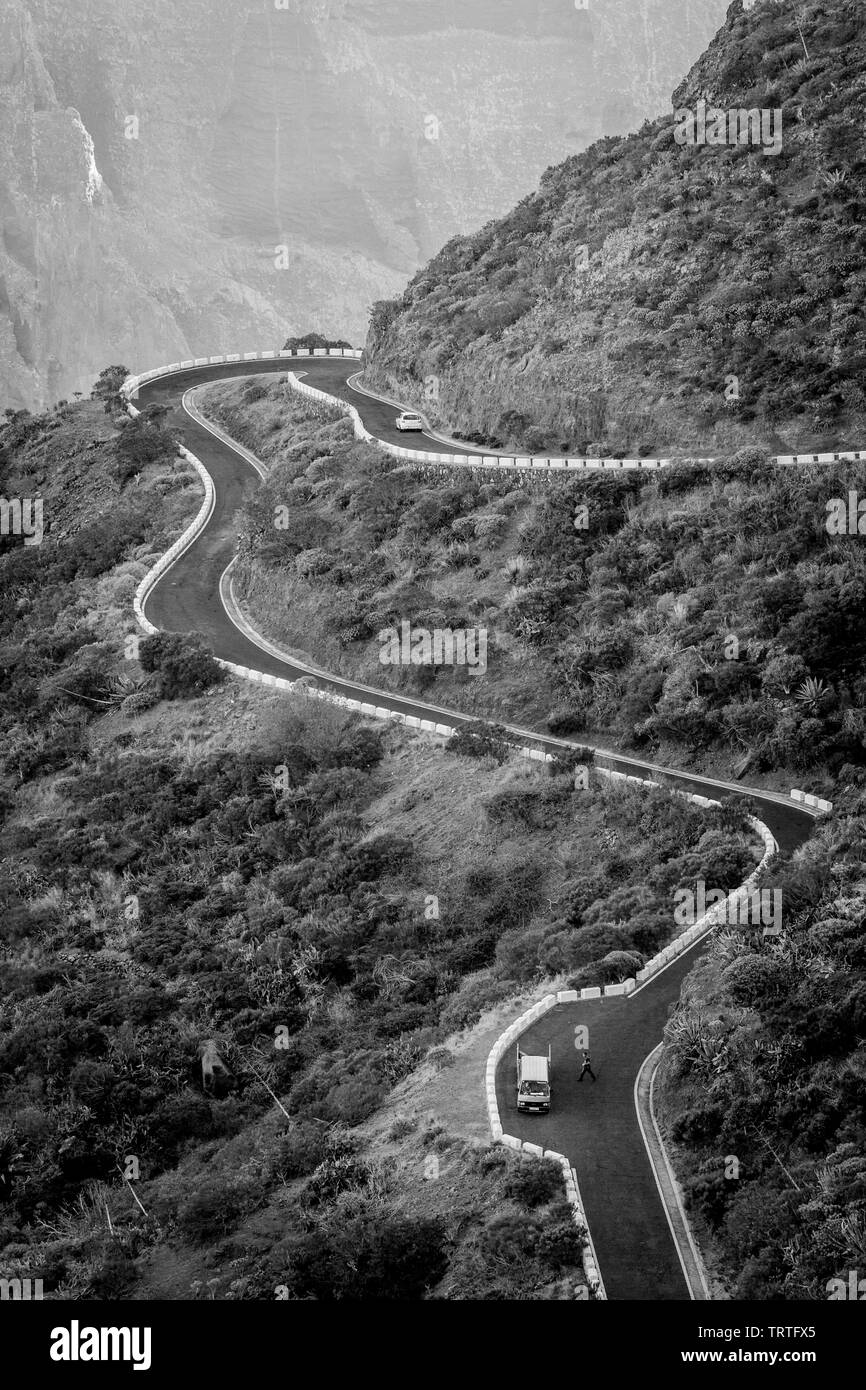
[{"x": 595, "y": 1125}]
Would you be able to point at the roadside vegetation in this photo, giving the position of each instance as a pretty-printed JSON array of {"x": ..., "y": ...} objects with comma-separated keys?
[
  {"x": 763, "y": 1082},
  {"x": 699, "y": 615}
]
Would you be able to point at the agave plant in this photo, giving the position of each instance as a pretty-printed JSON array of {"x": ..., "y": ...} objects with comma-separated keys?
[
  {"x": 812, "y": 693},
  {"x": 458, "y": 552},
  {"x": 514, "y": 595},
  {"x": 188, "y": 751},
  {"x": 515, "y": 568},
  {"x": 686, "y": 1031},
  {"x": 305, "y": 966},
  {"x": 121, "y": 685},
  {"x": 679, "y": 612},
  {"x": 389, "y": 974},
  {"x": 834, "y": 179}
]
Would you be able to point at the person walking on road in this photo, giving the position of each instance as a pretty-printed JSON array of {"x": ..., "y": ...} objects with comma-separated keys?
[{"x": 586, "y": 1066}]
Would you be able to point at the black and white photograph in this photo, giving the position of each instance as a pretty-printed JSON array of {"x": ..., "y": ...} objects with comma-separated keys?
[{"x": 432, "y": 680}]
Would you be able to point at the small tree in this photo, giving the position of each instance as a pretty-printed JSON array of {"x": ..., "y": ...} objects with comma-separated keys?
[{"x": 107, "y": 386}]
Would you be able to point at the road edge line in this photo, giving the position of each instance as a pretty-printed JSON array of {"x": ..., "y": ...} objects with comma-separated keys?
[
  {"x": 694, "y": 1270},
  {"x": 591, "y": 1271}
]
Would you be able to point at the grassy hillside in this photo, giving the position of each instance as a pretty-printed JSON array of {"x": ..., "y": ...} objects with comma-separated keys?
[
  {"x": 704, "y": 615},
  {"x": 655, "y": 297}
]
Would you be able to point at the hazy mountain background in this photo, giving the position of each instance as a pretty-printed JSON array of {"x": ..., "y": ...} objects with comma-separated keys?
[{"x": 258, "y": 127}]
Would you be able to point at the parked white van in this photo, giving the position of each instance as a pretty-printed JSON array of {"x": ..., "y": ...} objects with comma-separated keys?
[{"x": 533, "y": 1082}]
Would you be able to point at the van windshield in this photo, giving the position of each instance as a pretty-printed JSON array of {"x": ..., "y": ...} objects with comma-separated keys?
[{"x": 533, "y": 1088}]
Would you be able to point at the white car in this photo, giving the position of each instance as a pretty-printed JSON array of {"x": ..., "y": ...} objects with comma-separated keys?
[{"x": 409, "y": 420}]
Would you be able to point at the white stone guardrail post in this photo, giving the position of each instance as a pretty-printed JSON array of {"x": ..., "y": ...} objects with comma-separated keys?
[
  {"x": 180, "y": 546},
  {"x": 526, "y": 463},
  {"x": 816, "y": 802},
  {"x": 132, "y": 383}
]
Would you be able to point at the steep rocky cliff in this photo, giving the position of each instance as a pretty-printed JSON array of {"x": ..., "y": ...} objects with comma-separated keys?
[{"x": 154, "y": 158}]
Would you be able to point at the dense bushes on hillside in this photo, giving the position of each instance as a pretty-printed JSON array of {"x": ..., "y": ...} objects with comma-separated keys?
[
  {"x": 59, "y": 600},
  {"x": 295, "y": 931},
  {"x": 765, "y": 1065},
  {"x": 655, "y": 297},
  {"x": 703, "y": 610},
  {"x": 718, "y": 611}
]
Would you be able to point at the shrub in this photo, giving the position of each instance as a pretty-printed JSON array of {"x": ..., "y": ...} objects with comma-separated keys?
[
  {"x": 535, "y": 1183},
  {"x": 559, "y": 1244},
  {"x": 510, "y": 1239},
  {"x": 337, "y": 1173},
  {"x": 698, "y": 1125},
  {"x": 440, "y": 1058},
  {"x": 142, "y": 700},
  {"x": 751, "y": 979},
  {"x": 480, "y": 740},
  {"x": 491, "y": 1160},
  {"x": 403, "y": 1126},
  {"x": 371, "y": 1255},
  {"x": 209, "y": 1213},
  {"x": 141, "y": 441},
  {"x": 183, "y": 663},
  {"x": 306, "y": 1145},
  {"x": 566, "y": 760},
  {"x": 476, "y": 994},
  {"x": 114, "y": 1273},
  {"x": 522, "y": 806},
  {"x": 620, "y": 965}
]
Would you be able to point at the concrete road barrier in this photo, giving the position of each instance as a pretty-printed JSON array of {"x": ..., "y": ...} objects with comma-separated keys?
[{"x": 816, "y": 802}]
